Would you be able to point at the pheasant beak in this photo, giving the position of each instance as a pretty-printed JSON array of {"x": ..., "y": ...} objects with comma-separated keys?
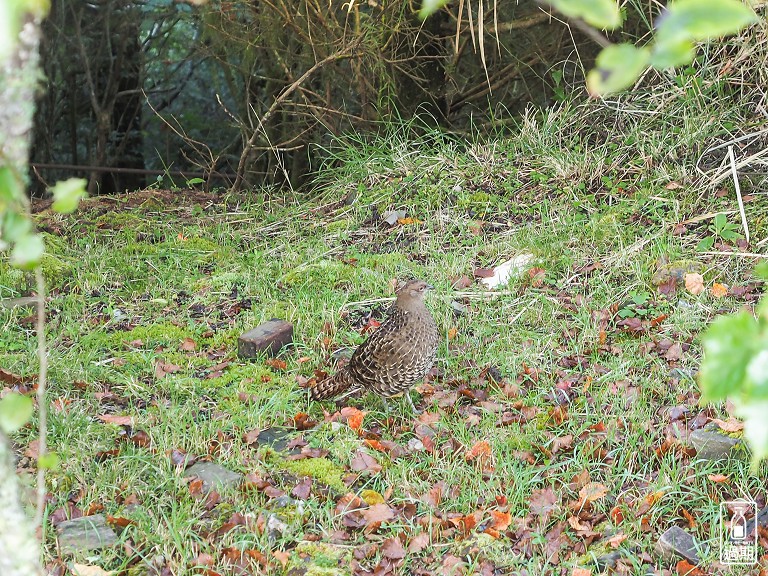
[{"x": 429, "y": 287}]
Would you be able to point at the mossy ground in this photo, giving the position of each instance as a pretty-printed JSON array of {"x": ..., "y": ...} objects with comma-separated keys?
[{"x": 131, "y": 284}]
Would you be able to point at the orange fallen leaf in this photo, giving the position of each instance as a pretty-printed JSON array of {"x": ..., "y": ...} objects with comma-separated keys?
[
  {"x": 452, "y": 333},
  {"x": 276, "y": 363},
  {"x": 581, "y": 572},
  {"x": 406, "y": 221},
  {"x": 481, "y": 448},
  {"x": 685, "y": 568},
  {"x": 353, "y": 416},
  {"x": 719, "y": 290},
  {"x": 501, "y": 520},
  {"x": 718, "y": 478}
]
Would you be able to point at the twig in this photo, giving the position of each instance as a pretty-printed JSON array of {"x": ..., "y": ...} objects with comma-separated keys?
[
  {"x": 738, "y": 192},
  {"x": 739, "y": 254},
  {"x": 42, "y": 407}
]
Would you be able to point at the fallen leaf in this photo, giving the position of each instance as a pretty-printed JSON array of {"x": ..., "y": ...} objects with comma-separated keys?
[
  {"x": 392, "y": 548},
  {"x": 406, "y": 221},
  {"x": 188, "y": 345},
  {"x": 592, "y": 492},
  {"x": 364, "y": 462},
  {"x": 353, "y": 416},
  {"x": 480, "y": 449},
  {"x": 114, "y": 419},
  {"x": 685, "y": 568},
  {"x": 694, "y": 283},
  {"x": 89, "y": 570},
  {"x": 162, "y": 368},
  {"x": 452, "y": 333},
  {"x": 434, "y": 495},
  {"x": 581, "y": 572},
  {"x": 501, "y": 520},
  {"x": 537, "y": 275},
  {"x": 719, "y": 290},
  {"x": 418, "y": 543},
  {"x": 543, "y": 502},
  {"x": 276, "y": 363},
  {"x": 378, "y": 513},
  {"x": 615, "y": 541},
  {"x": 730, "y": 425},
  {"x": 718, "y": 478},
  {"x": 303, "y": 488}
]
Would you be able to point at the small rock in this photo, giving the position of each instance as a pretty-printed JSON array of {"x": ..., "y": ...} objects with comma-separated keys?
[
  {"x": 458, "y": 308},
  {"x": 269, "y": 337},
  {"x": 275, "y": 527},
  {"x": 677, "y": 541},
  {"x": 86, "y": 533},
  {"x": 712, "y": 446},
  {"x": 213, "y": 475},
  {"x": 286, "y": 501},
  {"x": 277, "y": 439}
]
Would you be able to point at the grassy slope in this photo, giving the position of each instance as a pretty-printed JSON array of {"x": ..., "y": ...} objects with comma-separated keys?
[{"x": 574, "y": 187}]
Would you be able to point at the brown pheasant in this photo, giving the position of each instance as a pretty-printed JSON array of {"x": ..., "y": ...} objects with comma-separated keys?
[{"x": 396, "y": 356}]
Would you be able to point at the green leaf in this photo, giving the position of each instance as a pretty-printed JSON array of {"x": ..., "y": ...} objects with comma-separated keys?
[
  {"x": 27, "y": 251},
  {"x": 617, "y": 67},
  {"x": 699, "y": 20},
  {"x": 15, "y": 412},
  {"x": 672, "y": 53},
  {"x": 598, "y": 13},
  {"x": 705, "y": 244},
  {"x": 67, "y": 194},
  {"x": 755, "y": 427},
  {"x": 719, "y": 221},
  {"x": 49, "y": 461},
  {"x": 429, "y": 7},
  {"x": 761, "y": 270},
  {"x": 728, "y": 348},
  {"x": 14, "y": 226},
  {"x": 10, "y": 188}
]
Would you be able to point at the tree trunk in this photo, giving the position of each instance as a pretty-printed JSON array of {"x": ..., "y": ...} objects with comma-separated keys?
[{"x": 19, "y": 78}]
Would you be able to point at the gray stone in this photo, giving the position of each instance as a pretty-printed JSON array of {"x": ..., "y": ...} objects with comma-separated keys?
[
  {"x": 278, "y": 439},
  {"x": 712, "y": 445},
  {"x": 213, "y": 475},
  {"x": 269, "y": 337},
  {"x": 677, "y": 542},
  {"x": 83, "y": 534}
]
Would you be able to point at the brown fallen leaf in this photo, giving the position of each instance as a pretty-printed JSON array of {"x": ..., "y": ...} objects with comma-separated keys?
[
  {"x": 392, "y": 548},
  {"x": 115, "y": 419},
  {"x": 418, "y": 543},
  {"x": 162, "y": 368},
  {"x": 364, "y": 462},
  {"x": 615, "y": 541},
  {"x": 188, "y": 345},
  {"x": 593, "y": 491},
  {"x": 694, "y": 283}
]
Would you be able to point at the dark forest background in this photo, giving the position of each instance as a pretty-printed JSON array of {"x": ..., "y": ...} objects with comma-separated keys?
[{"x": 251, "y": 93}]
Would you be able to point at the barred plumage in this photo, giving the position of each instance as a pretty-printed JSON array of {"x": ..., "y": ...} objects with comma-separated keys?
[{"x": 396, "y": 356}]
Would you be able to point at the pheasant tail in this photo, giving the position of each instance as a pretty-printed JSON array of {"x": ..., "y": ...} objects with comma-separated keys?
[{"x": 331, "y": 387}]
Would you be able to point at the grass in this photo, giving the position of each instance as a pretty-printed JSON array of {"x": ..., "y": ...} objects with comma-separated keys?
[{"x": 585, "y": 400}]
